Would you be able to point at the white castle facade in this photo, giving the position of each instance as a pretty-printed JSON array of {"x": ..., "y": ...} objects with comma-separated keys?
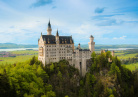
[{"x": 55, "y": 48}]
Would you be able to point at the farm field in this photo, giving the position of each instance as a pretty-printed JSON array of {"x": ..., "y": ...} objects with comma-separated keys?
[
  {"x": 24, "y": 52},
  {"x": 21, "y": 57},
  {"x": 28, "y": 54},
  {"x": 125, "y": 55},
  {"x": 132, "y": 67}
]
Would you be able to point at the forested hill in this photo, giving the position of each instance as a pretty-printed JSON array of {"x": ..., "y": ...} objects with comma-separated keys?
[{"x": 104, "y": 79}]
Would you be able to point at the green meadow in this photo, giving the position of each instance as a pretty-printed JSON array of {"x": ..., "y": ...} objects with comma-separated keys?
[
  {"x": 125, "y": 55},
  {"x": 21, "y": 56},
  {"x": 132, "y": 66},
  {"x": 25, "y": 55},
  {"x": 24, "y": 52}
]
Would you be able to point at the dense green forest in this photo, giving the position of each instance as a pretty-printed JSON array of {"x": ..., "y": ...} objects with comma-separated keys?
[{"x": 103, "y": 79}]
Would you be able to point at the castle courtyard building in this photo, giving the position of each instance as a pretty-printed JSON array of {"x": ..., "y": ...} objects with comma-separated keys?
[{"x": 55, "y": 48}]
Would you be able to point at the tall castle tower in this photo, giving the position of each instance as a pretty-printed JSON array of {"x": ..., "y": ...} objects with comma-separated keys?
[
  {"x": 91, "y": 44},
  {"x": 49, "y": 30}
]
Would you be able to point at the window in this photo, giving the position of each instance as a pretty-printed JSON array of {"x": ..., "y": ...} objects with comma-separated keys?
[{"x": 41, "y": 51}]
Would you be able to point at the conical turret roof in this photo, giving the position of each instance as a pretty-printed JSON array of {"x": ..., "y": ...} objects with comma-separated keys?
[
  {"x": 49, "y": 25},
  {"x": 57, "y": 33}
]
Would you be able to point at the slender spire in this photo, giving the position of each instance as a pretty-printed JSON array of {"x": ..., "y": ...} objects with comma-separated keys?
[
  {"x": 49, "y": 25},
  {"x": 49, "y": 30},
  {"x": 57, "y": 33},
  {"x": 79, "y": 46},
  {"x": 91, "y": 36},
  {"x": 41, "y": 33}
]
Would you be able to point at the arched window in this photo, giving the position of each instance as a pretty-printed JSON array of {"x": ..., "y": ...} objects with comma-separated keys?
[{"x": 41, "y": 51}]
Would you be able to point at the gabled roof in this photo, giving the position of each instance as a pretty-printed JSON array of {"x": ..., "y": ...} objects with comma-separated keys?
[
  {"x": 67, "y": 39},
  {"x": 51, "y": 39}
]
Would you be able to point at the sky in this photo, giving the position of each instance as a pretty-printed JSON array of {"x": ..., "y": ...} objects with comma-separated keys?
[{"x": 109, "y": 21}]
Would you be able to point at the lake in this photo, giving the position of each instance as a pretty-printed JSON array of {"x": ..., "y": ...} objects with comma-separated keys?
[{"x": 119, "y": 49}]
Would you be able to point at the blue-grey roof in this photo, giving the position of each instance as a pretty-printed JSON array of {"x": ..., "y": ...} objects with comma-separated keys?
[
  {"x": 49, "y": 25},
  {"x": 50, "y": 39}
]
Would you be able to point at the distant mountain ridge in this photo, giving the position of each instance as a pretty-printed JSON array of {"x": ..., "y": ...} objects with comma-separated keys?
[
  {"x": 101, "y": 46},
  {"x": 13, "y": 45},
  {"x": 97, "y": 46}
]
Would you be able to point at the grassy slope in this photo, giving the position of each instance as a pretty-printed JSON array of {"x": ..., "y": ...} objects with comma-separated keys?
[
  {"x": 122, "y": 55},
  {"x": 125, "y": 56},
  {"x": 132, "y": 67}
]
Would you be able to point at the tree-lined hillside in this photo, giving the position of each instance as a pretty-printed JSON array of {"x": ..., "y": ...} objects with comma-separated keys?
[{"x": 104, "y": 79}]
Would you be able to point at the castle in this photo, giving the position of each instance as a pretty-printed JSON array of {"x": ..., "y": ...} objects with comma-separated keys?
[{"x": 55, "y": 48}]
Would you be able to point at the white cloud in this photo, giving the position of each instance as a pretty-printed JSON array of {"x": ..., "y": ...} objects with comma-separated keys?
[
  {"x": 115, "y": 38},
  {"x": 123, "y": 37},
  {"x": 70, "y": 17}
]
